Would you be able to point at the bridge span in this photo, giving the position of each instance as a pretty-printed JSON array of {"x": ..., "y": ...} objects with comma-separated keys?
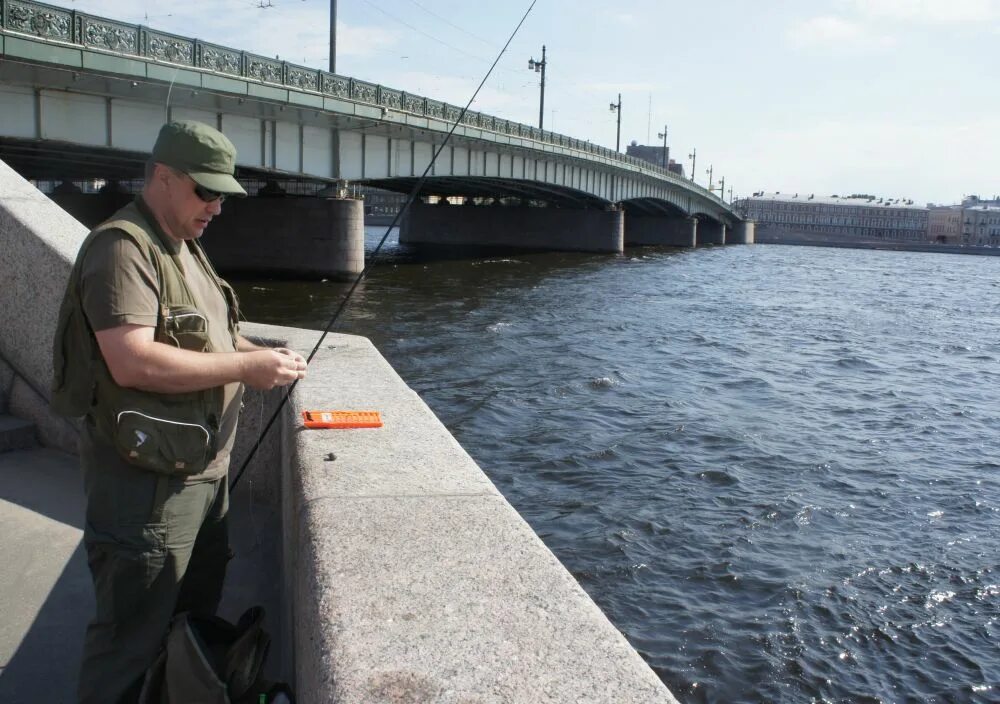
[{"x": 82, "y": 97}]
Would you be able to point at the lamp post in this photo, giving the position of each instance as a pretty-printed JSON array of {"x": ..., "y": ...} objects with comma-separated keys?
[
  {"x": 709, "y": 172},
  {"x": 693, "y": 157},
  {"x": 333, "y": 36},
  {"x": 539, "y": 67},
  {"x": 618, "y": 108},
  {"x": 722, "y": 189},
  {"x": 666, "y": 152}
]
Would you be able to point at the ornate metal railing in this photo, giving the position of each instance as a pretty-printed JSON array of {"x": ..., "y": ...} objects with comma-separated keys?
[{"x": 59, "y": 24}]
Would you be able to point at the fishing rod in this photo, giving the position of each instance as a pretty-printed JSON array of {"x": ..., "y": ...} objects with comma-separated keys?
[{"x": 373, "y": 259}]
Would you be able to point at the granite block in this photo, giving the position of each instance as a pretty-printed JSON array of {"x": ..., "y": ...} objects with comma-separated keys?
[
  {"x": 40, "y": 243},
  {"x": 53, "y": 430},
  {"x": 16, "y": 434},
  {"x": 6, "y": 380},
  {"x": 447, "y": 600}
]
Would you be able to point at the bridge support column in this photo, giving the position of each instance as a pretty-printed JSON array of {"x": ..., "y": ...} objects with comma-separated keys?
[
  {"x": 743, "y": 233},
  {"x": 91, "y": 209},
  {"x": 711, "y": 232},
  {"x": 292, "y": 235},
  {"x": 560, "y": 229},
  {"x": 661, "y": 230}
]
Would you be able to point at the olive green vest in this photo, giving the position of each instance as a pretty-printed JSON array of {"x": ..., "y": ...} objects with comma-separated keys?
[{"x": 175, "y": 433}]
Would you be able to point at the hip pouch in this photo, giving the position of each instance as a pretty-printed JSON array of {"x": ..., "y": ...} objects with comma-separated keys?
[{"x": 158, "y": 442}]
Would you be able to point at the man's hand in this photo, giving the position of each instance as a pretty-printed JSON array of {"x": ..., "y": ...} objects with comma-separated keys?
[
  {"x": 299, "y": 359},
  {"x": 266, "y": 369}
]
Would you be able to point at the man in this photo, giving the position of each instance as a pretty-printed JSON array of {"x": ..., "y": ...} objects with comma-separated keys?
[{"x": 148, "y": 350}]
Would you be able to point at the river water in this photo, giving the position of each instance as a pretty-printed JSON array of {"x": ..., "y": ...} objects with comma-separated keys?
[{"x": 774, "y": 468}]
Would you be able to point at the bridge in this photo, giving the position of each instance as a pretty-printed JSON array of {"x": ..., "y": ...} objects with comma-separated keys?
[{"x": 82, "y": 97}]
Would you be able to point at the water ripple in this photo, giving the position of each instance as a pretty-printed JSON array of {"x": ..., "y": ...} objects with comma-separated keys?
[{"x": 774, "y": 468}]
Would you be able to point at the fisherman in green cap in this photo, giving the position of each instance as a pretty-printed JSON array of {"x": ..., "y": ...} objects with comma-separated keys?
[{"x": 148, "y": 351}]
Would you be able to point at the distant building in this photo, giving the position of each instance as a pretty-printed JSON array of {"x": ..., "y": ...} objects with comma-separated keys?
[
  {"x": 944, "y": 224},
  {"x": 980, "y": 222},
  {"x": 381, "y": 203},
  {"x": 656, "y": 156},
  {"x": 835, "y": 218}
]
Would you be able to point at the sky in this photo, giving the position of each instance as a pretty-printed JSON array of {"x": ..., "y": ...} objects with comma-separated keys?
[{"x": 897, "y": 98}]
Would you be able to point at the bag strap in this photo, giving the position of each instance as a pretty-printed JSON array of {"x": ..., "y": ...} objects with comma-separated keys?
[{"x": 243, "y": 666}]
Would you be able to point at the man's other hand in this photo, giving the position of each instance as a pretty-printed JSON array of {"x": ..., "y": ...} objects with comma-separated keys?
[{"x": 266, "y": 369}]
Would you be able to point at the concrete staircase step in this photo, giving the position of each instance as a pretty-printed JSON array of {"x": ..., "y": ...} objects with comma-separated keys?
[{"x": 16, "y": 434}]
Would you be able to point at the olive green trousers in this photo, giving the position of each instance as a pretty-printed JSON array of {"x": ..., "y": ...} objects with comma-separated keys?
[{"x": 156, "y": 546}]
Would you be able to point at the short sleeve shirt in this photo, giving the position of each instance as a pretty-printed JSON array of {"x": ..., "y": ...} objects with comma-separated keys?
[{"x": 119, "y": 286}]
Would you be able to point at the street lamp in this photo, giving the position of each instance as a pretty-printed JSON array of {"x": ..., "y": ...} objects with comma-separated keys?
[
  {"x": 709, "y": 172},
  {"x": 693, "y": 156},
  {"x": 539, "y": 67},
  {"x": 333, "y": 36},
  {"x": 666, "y": 151},
  {"x": 618, "y": 108}
]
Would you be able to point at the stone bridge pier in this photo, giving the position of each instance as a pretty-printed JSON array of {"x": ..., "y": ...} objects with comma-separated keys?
[
  {"x": 676, "y": 231},
  {"x": 743, "y": 233},
  {"x": 521, "y": 227},
  {"x": 711, "y": 232},
  {"x": 290, "y": 235},
  {"x": 286, "y": 236}
]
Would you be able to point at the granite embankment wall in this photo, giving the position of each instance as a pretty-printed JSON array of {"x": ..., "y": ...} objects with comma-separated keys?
[
  {"x": 771, "y": 235},
  {"x": 406, "y": 576}
]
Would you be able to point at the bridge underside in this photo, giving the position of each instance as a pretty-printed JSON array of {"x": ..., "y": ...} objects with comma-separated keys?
[
  {"x": 499, "y": 188},
  {"x": 51, "y": 160}
]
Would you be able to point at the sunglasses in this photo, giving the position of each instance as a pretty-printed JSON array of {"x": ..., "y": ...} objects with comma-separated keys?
[{"x": 207, "y": 195}]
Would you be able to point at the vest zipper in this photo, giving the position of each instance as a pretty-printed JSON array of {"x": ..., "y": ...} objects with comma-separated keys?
[
  {"x": 188, "y": 315},
  {"x": 164, "y": 420}
]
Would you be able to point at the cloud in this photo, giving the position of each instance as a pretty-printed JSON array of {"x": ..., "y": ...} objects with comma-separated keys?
[
  {"x": 831, "y": 31},
  {"x": 612, "y": 88},
  {"x": 874, "y": 24},
  {"x": 364, "y": 41},
  {"x": 899, "y": 158},
  {"x": 929, "y": 11}
]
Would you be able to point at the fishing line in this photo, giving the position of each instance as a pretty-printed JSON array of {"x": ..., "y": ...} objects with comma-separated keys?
[{"x": 373, "y": 259}]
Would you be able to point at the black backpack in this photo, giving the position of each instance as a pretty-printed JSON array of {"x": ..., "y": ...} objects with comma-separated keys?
[{"x": 211, "y": 661}]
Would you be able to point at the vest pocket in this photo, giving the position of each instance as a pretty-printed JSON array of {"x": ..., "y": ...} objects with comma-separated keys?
[
  {"x": 186, "y": 328},
  {"x": 163, "y": 445}
]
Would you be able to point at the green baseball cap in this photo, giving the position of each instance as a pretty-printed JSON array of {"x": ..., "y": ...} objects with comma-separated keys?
[{"x": 200, "y": 151}]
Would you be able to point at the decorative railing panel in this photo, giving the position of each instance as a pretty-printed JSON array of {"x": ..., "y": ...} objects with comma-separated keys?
[
  {"x": 58, "y": 24},
  {"x": 364, "y": 91},
  {"x": 264, "y": 69},
  {"x": 112, "y": 36},
  {"x": 167, "y": 47},
  {"x": 413, "y": 103},
  {"x": 433, "y": 108},
  {"x": 220, "y": 59},
  {"x": 339, "y": 86},
  {"x": 389, "y": 98},
  {"x": 301, "y": 77},
  {"x": 38, "y": 19}
]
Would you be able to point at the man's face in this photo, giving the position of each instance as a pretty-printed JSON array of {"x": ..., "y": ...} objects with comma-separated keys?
[{"x": 187, "y": 214}]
